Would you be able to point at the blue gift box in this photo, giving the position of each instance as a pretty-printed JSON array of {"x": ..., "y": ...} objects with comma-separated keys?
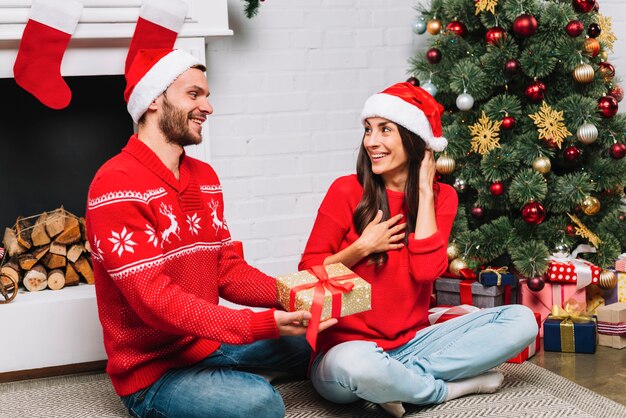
[
  {"x": 582, "y": 336},
  {"x": 490, "y": 278}
]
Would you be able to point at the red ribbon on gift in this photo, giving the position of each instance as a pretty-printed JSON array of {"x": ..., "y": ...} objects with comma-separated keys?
[
  {"x": 323, "y": 282},
  {"x": 465, "y": 286}
]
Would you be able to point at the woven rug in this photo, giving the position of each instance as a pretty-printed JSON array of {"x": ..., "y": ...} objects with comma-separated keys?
[{"x": 528, "y": 391}]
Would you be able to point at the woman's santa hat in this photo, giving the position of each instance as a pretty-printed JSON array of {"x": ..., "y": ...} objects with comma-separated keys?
[
  {"x": 151, "y": 73},
  {"x": 413, "y": 108}
]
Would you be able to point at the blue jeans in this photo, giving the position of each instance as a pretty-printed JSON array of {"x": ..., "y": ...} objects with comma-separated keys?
[
  {"x": 417, "y": 372},
  {"x": 223, "y": 384}
]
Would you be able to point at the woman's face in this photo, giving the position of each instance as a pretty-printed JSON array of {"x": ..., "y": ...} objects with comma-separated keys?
[{"x": 383, "y": 144}]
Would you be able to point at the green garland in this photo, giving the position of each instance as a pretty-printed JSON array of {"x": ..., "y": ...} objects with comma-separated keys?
[{"x": 252, "y": 8}]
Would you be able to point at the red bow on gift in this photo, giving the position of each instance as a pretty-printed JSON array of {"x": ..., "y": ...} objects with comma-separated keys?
[{"x": 323, "y": 282}]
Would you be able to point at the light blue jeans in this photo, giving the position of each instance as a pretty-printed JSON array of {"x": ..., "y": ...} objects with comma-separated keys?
[
  {"x": 417, "y": 372},
  {"x": 222, "y": 385}
]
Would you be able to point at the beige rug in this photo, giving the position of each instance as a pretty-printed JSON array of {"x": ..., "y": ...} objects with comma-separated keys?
[{"x": 528, "y": 391}]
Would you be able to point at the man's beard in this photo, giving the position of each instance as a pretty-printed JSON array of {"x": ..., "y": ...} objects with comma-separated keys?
[{"x": 175, "y": 128}]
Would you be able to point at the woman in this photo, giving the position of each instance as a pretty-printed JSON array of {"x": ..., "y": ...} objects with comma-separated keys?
[{"x": 390, "y": 223}]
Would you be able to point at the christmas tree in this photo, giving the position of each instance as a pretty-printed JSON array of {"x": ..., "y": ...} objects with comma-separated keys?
[{"x": 536, "y": 145}]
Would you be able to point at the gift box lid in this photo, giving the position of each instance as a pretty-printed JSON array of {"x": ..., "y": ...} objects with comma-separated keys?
[
  {"x": 444, "y": 284},
  {"x": 616, "y": 312}
]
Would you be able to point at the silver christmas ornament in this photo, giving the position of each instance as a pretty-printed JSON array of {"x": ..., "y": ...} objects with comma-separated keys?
[
  {"x": 561, "y": 249},
  {"x": 430, "y": 88},
  {"x": 587, "y": 133},
  {"x": 464, "y": 101},
  {"x": 419, "y": 26},
  {"x": 459, "y": 184}
]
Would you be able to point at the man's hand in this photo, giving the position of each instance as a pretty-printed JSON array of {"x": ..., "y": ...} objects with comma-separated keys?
[{"x": 291, "y": 323}]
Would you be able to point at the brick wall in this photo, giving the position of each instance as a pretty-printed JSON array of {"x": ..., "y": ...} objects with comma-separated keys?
[{"x": 287, "y": 90}]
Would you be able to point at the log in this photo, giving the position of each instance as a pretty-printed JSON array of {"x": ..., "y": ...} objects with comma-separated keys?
[
  {"x": 71, "y": 276},
  {"x": 56, "y": 279},
  {"x": 40, "y": 236},
  {"x": 39, "y": 252},
  {"x": 87, "y": 246},
  {"x": 83, "y": 266},
  {"x": 36, "y": 278},
  {"x": 74, "y": 252},
  {"x": 71, "y": 232},
  {"x": 23, "y": 230},
  {"x": 11, "y": 244},
  {"x": 12, "y": 270},
  {"x": 55, "y": 222},
  {"x": 58, "y": 249},
  {"x": 26, "y": 261},
  {"x": 54, "y": 261},
  {"x": 83, "y": 228}
]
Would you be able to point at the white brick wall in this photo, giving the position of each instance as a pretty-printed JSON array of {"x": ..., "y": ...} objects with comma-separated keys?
[{"x": 287, "y": 90}]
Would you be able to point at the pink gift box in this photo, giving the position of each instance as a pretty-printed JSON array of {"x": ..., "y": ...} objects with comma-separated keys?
[
  {"x": 620, "y": 264},
  {"x": 566, "y": 272},
  {"x": 551, "y": 294}
]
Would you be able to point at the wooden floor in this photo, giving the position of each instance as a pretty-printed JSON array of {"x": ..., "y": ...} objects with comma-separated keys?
[{"x": 603, "y": 372}]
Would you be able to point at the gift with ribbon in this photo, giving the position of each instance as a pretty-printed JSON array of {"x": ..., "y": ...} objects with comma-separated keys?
[
  {"x": 620, "y": 263},
  {"x": 570, "y": 330},
  {"x": 500, "y": 276},
  {"x": 452, "y": 292},
  {"x": 532, "y": 349},
  {"x": 612, "y": 325},
  {"x": 330, "y": 291},
  {"x": 620, "y": 288},
  {"x": 570, "y": 269}
]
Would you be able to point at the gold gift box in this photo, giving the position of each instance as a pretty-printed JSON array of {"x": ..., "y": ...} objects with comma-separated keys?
[{"x": 359, "y": 299}]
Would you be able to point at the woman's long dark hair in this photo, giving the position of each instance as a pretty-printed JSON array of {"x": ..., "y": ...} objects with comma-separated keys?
[{"x": 375, "y": 194}]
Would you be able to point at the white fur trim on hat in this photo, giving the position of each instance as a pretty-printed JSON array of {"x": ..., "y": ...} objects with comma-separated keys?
[
  {"x": 157, "y": 80},
  {"x": 409, "y": 116}
]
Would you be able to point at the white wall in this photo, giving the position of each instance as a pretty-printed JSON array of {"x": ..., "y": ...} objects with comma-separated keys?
[{"x": 287, "y": 90}]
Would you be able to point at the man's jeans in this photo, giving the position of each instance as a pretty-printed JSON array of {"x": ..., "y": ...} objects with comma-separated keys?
[
  {"x": 222, "y": 385},
  {"x": 417, "y": 372}
]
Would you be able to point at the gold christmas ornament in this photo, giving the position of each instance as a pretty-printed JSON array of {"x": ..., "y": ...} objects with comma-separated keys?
[
  {"x": 453, "y": 251},
  {"x": 591, "y": 46},
  {"x": 445, "y": 164},
  {"x": 587, "y": 133},
  {"x": 603, "y": 55},
  {"x": 608, "y": 279},
  {"x": 486, "y": 5},
  {"x": 434, "y": 26},
  {"x": 590, "y": 205},
  {"x": 583, "y": 231},
  {"x": 456, "y": 266},
  {"x": 550, "y": 124},
  {"x": 607, "y": 37},
  {"x": 542, "y": 164},
  {"x": 583, "y": 73},
  {"x": 485, "y": 135}
]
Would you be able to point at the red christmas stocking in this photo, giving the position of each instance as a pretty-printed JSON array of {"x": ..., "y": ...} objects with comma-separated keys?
[
  {"x": 157, "y": 26},
  {"x": 37, "y": 68}
]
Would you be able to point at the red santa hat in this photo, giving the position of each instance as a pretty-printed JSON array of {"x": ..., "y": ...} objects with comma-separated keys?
[
  {"x": 151, "y": 73},
  {"x": 411, "y": 107}
]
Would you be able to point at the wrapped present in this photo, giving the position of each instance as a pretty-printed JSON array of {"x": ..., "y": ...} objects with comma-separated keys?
[
  {"x": 595, "y": 298},
  {"x": 570, "y": 330},
  {"x": 453, "y": 292},
  {"x": 533, "y": 348},
  {"x": 331, "y": 291},
  {"x": 439, "y": 314},
  {"x": 497, "y": 277},
  {"x": 621, "y": 286},
  {"x": 612, "y": 325},
  {"x": 576, "y": 271},
  {"x": 620, "y": 264},
  {"x": 551, "y": 294}
]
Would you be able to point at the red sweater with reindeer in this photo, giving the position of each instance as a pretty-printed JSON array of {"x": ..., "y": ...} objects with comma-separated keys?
[
  {"x": 402, "y": 287},
  {"x": 162, "y": 256}
]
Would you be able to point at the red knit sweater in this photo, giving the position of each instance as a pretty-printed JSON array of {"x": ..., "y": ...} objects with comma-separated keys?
[
  {"x": 162, "y": 256},
  {"x": 402, "y": 287}
]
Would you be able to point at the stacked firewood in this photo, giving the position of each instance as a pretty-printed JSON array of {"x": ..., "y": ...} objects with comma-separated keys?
[{"x": 48, "y": 250}]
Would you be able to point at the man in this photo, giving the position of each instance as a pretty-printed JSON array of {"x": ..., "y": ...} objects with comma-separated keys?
[{"x": 163, "y": 256}]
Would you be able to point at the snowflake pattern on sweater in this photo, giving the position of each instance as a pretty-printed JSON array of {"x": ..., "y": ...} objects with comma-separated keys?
[{"x": 162, "y": 256}]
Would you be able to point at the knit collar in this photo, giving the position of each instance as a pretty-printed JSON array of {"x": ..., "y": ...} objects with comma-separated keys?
[{"x": 148, "y": 158}]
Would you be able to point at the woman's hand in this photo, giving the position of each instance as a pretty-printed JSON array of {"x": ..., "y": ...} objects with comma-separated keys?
[
  {"x": 380, "y": 236},
  {"x": 292, "y": 323},
  {"x": 427, "y": 172}
]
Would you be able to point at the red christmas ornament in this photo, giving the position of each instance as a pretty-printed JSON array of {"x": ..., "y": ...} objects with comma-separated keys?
[
  {"x": 617, "y": 92},
  {"x": 607, "y": 70},
  {"x": 495, "y": 35},
  {"x": 508, "y": 123},
  {"x": 593, "y": 30},
  {"x": 414, "y": 81},
  {"x": 512, "y": 67},
  {"x": 477, "y": 212},
  {"x": 570, "y": 230},
  {"x": 574, "y": 28},
  {"x": 536, "y": 91},
  {"x": 433, "y": 55},
  {"x": 497, "y": 188},
  {"x": 607, "y": 105},
  {"x": 617, "y": 151},
  {"x": 551, "y": 144},
  {"x": 525, "y": 25},
  {"x": 533, "y": 213},
  {"x": 536, "y": 283},
  {"x": 571, "y": 154},
  {"x": 457, "y": 28},
  {"x": 584, "y": 6}
]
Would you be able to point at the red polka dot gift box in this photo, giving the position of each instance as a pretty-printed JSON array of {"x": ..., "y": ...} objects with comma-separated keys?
[{"x": 581, "y": 272}]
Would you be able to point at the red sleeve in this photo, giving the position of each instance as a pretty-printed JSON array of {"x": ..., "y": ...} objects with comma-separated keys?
[
  {"x": 428, "y": 256},
  {"x": 333, "y": 221}
]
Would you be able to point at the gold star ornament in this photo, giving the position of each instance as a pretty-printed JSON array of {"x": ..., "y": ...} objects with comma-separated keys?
[
  {"x": 485, "y": 135},
  {"x": 606, "y": 37},
  {"x": 584, "y": 232},
  {"x": 550, "y": 124},
  {"x": 486, "y": 5}
]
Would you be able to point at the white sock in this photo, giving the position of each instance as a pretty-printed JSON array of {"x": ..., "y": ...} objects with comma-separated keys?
[
  {"x": 487, "y": 382},
  {"x": 393, "y": 408}
]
